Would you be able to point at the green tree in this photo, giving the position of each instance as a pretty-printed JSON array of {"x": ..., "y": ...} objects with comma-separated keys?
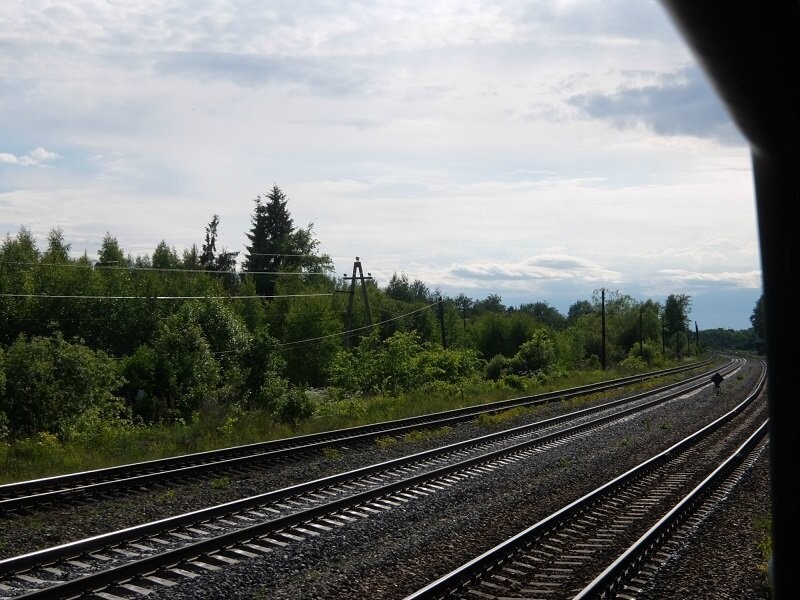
[
  {"x": 578, "y": 309},
  {"x": 727, "y": 339},
  {"x": 190, "y": 258},
  {"x": 19, "y": 274},
  {"x": 309, "y": 332},
  {"x": 208, "y": 257},
  {"x": 545, "y": 314},
  {"x": 497, "y": 333},
  {"x": 110, "y": 253},
  {"x": 676, "y": 313},
  {"x": 165, "y": 257},
  {"x": 492, "y": 303},
  {"x": 277, "y": 246},
  {"x": 634, "y": 323},
  {"x": 676, "y": 321},
  {"x": 400, "y": 363},
  {"x": 537, "y": 354},
  {"x": 185, "y": 373},
  {"x": 50, "y": 382},
  {"x": 270, "y": 239},
  {"x": 222, "y": 261},
  {"x": 250, "y": 309},
  {"x": 57, "y": 248},
  {"x": 465, "y": 306},
  {"x": 400, "y": 288},
  {"x": 265, "y": 382},
  {"x": 21, "y": 249}
]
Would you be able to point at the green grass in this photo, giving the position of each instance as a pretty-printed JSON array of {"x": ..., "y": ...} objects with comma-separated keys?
[
  {"x": 332, "y": 453},
  {"x": 166, "y": 496},
  {"x": 108, "y": 444},
  {"x": 764, "y": 525},
  {"x": 220, "y": 483},
  {"x": 504, "y": 416},
  {"x": 386, "y": 441},
  {"x": 419, "y": 435}
]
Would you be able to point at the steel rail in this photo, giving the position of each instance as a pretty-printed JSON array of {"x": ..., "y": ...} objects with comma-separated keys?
[
  {"x": 64, "y": 487},
  {"x": 136, "y": 532},
  {"x": 616, "y": 576},
  {"x": 460, "y": 578},
  {"x": 83, "y": 547}
]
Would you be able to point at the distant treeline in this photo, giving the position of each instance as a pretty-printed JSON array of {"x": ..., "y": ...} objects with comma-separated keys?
[{"x": 160, "y": 338}]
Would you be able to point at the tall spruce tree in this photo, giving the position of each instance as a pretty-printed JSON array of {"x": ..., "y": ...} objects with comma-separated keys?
[
  {"x": 277, "y": 246},
  {"x": 271, "y": 240}
]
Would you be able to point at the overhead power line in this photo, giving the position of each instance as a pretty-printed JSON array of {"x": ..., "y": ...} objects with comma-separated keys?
[
  {"x": 322, "y": 337},
  {"x": 288, "y": 255},
  {"x": 45, "y": 296},
  {"x": 158, "y": 269}
]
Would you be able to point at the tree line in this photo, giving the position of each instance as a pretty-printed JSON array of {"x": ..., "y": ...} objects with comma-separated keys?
[{"x": 164, "y": 337}]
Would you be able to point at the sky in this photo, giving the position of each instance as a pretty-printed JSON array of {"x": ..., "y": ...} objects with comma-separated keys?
[{"x": 536, "y": 150}]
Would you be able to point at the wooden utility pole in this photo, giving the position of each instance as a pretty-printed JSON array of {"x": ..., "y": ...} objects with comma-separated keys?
[
  {"x": 688, "y": 342},
  {"x": 440, "y": 311},
  {"x": 641, "y": 332},
  {"x": 603, "y": 325},
  {"x": 358, "y": 273}
]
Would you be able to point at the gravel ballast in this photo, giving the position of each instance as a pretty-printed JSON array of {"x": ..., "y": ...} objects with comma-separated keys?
[{"x": 394, "y": 553}]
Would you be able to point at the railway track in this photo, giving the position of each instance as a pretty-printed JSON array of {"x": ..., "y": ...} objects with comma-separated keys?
[
  {"x": 611, "y": 542},
  {"x": 38, "y": 493},
  {"x": 136, "y": 560}
]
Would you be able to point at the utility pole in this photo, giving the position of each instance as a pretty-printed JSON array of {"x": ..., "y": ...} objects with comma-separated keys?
[
  {"x": 688, "y": 342},
  {"x": 696, "y": 338},
  {"x": 641, "y": 332},
  {"x": 440, "y": 311},
  {"x": 349, "y": 318},
  {"x": 603, "y": 325}
]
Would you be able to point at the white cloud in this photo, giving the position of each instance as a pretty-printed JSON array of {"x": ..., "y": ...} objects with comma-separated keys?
[
  {"x": 432, "y": 138},
  {"x": 548, "y": 267},
  {"x": 36, "y": 157},
  {"x": 696, "y": 280}
]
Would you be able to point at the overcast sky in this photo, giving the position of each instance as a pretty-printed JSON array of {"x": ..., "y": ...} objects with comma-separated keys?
[{"x": 536, "y": 150}]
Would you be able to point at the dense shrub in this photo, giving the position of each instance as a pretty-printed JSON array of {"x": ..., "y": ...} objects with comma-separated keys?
[
  {"x": 50, "y": 382},
  {"x": 498, "y": 367},
  {"x": 399, "y": 364},
  {"x": 185, "y": 372},
  {"x": 536, "y": 354},
  {"x": 294, "y": 406},
  {"x": 632, "y": 364}
]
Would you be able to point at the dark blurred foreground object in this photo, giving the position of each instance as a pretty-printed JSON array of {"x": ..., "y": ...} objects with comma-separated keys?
[
  {"x": 749, "y": 51},
  {"x": 717, "y": 379}
]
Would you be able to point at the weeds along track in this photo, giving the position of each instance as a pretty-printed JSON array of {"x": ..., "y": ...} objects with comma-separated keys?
[
  {"x": 611, "y": 542},
  {"x": 78, "y": 487},
  {"x": 163, "y": 554}
]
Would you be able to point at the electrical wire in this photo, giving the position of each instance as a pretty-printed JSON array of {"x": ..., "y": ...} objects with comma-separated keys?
[
  {"x": 288, "y": 255},
  {"x": 159, "y": 269},
  {"x": 322, "y": 337},
  {"x": 45, "y": 296}
]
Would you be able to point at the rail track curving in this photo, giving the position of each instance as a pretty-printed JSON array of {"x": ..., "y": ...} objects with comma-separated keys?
[
  {"x": 136, "y": 560},
  {"x": 611, "y": 542},
  {"x": 38, "y": 493}
]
